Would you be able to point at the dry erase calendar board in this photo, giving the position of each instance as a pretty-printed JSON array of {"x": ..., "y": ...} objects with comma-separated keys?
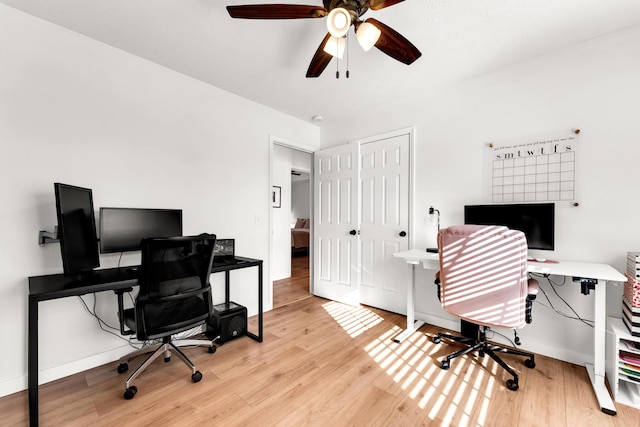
[{"x": 535, "y": 169}]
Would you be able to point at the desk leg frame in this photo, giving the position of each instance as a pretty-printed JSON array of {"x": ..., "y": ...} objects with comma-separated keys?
[
  {"x": 412, "y": 324},
  {"x": 596, "y": 371},
  {"x": 227, "y": 290},
  {"x": 258, "y": 337},
  {"x": 32, "y": 362}
]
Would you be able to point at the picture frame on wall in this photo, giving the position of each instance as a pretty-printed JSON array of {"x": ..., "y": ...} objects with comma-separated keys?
[{"x": 276, "y": 196}]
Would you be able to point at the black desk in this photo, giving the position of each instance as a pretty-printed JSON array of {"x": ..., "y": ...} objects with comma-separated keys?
[{"x": 54, "y": 286}]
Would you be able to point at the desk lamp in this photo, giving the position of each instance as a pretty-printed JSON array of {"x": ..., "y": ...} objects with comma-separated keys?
[{"x": 433, "y": 217}]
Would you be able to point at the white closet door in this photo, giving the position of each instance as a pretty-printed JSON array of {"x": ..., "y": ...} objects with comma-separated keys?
[
  {"x": 384, "y": 222},
  {"x": 335, "y": 224},
  {"x": 361, "y": 214}
]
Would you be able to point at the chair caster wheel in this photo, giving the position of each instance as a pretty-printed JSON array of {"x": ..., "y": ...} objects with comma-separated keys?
[
  {"x": 212, "y": 349},
  {"x": 512, "y": 385},
  {"x": 130, "y": 392},
  {"x": 436, "y": 340},
  {"x": 529, "y": 363},
  {"x": 123, "y": 367},
  {"x": 445, "y": 364},
  {"x": 167, "y": 359},
  {"x": 196, "y": 377}
]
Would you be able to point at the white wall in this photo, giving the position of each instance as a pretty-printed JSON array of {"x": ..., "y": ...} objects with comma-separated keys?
[
  {"x": 594, "y": 87},
  {"x": 300, "y": 200},
  {"x": 76, "y": 111}
]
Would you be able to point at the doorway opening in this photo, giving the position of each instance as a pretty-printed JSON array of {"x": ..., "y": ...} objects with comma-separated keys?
[{"x": 291, "y": 225}]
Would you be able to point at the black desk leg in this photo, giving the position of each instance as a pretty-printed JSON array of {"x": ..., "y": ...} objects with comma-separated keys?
[
  {"x": 260, "y": 308},
  {"x": 32, "y": 356}
]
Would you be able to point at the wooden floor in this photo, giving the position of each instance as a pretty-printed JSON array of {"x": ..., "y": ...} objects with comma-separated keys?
[
  {"x": 325, "y": 364},
  {"x": 296, "y": 287}
]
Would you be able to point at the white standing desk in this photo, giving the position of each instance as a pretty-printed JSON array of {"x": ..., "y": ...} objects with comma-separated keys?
[
  {"x": 429, "y": 261},
  {"x": 603, "y": 273}
]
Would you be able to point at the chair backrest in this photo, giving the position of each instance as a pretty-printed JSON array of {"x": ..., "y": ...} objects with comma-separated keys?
[
  {"x": 174, "y": 293},
  {"x": 483, "y": 274}
]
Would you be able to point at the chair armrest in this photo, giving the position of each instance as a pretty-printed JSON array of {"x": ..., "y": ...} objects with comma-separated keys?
[{"x": 533, "y": 288}]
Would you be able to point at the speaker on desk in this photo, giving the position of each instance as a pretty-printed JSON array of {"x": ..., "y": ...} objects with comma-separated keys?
[{"x": 229, "y": 321}]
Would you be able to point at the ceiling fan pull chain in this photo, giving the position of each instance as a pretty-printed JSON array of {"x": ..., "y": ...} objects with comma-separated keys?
[
  {"x": 337, "y": 61},
  {"x": 347, "y": 37}
]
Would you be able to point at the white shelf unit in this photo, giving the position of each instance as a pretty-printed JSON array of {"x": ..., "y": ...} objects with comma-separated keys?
[{"x": 623, "y": 363}]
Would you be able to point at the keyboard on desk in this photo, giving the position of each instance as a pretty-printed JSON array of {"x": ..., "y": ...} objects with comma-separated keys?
[{"x": 225, "y": 261}]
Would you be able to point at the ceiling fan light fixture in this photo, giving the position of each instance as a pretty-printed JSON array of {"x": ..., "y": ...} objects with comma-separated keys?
[
  {"x": 338, "y": 21},
  {"x": 367, "y": 35},
  {"x": 335, "y": 46}
]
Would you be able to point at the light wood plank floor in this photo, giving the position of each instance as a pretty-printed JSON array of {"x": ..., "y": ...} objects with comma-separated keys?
[
  {"x": 296, "y": 287},
  {"x": 325, "y": 364}
]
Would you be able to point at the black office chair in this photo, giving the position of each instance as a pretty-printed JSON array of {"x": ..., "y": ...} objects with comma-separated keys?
[{"x": 174, "y": 296}]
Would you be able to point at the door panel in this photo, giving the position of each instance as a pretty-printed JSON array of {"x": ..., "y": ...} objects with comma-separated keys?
[
  {"x": 384, "y": 180},
  {"x": 336, "y": 204}
]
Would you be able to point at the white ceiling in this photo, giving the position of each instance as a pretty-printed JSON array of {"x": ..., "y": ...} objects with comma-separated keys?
[{"x": 266, "y": 60}]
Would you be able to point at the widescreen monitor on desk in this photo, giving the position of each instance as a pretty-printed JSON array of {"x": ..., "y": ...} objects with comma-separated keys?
[
  {"x": 535, "y": 220},
  {"x": 122, "y": 229}
]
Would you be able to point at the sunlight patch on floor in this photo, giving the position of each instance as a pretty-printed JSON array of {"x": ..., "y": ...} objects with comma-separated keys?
[
  {"x": 458, "y": 396},
  {"x": 354, "y": 320}
]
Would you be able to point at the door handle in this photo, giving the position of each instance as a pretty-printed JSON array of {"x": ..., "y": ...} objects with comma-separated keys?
[
  {"x": 353, "y": 232},
  {"x": 403, "y": 233}
]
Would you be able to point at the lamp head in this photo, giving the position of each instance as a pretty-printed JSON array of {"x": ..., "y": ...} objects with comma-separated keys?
[
  {"x": 367, "y": 35},
  {"x": 338, "y": 21},
  {"x": 335, "y": 46}
]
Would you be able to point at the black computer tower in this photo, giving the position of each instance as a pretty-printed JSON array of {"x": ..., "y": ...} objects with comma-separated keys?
[
  {"x": 229, "y": 321},
  {"x": 469, "y": 330}
]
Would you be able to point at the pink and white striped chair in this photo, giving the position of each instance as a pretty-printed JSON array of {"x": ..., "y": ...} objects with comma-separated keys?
[{"x": 483, "y": 280}]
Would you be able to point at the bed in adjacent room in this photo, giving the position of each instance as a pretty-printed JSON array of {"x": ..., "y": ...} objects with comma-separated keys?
[{"x": 300, "y": 234}]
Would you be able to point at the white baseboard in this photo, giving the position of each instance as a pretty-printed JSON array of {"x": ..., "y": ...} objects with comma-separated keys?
[{"x": 15, "y": 385}]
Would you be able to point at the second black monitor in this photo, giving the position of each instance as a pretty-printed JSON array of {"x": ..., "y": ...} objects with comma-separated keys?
[
  {"x": 122, "y": 229},
  {"x": 536, "y": 220}
]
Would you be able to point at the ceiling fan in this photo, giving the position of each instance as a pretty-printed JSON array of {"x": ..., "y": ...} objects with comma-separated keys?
[{"x": 340, "y": 14}]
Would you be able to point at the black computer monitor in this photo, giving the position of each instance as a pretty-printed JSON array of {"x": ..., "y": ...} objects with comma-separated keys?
[
  {"x": 76, "y": 228},
  {"x": 536, "y": 220},
  {"x": 122, "y": 229}
]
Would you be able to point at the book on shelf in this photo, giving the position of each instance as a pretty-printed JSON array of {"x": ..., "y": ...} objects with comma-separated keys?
[
  {"x": 631, "y": 346},
  {"x": 631, "y": 290},
  {"x": 631, "y": 317}
]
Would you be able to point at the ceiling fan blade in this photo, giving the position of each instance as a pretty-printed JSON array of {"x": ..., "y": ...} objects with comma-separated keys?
[
  {"x": 394, "y": 44},
  {"x": 320, "y": 60},
  {"x": 381, "y": 4},
  {"x": 276, "y": 11}
]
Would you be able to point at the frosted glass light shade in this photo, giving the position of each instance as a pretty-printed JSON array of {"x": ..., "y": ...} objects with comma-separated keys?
[
  {"x": 367, "y": 35},
  {"x": 338, "y": 22},
  {"x": 335, "y": 46}
]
